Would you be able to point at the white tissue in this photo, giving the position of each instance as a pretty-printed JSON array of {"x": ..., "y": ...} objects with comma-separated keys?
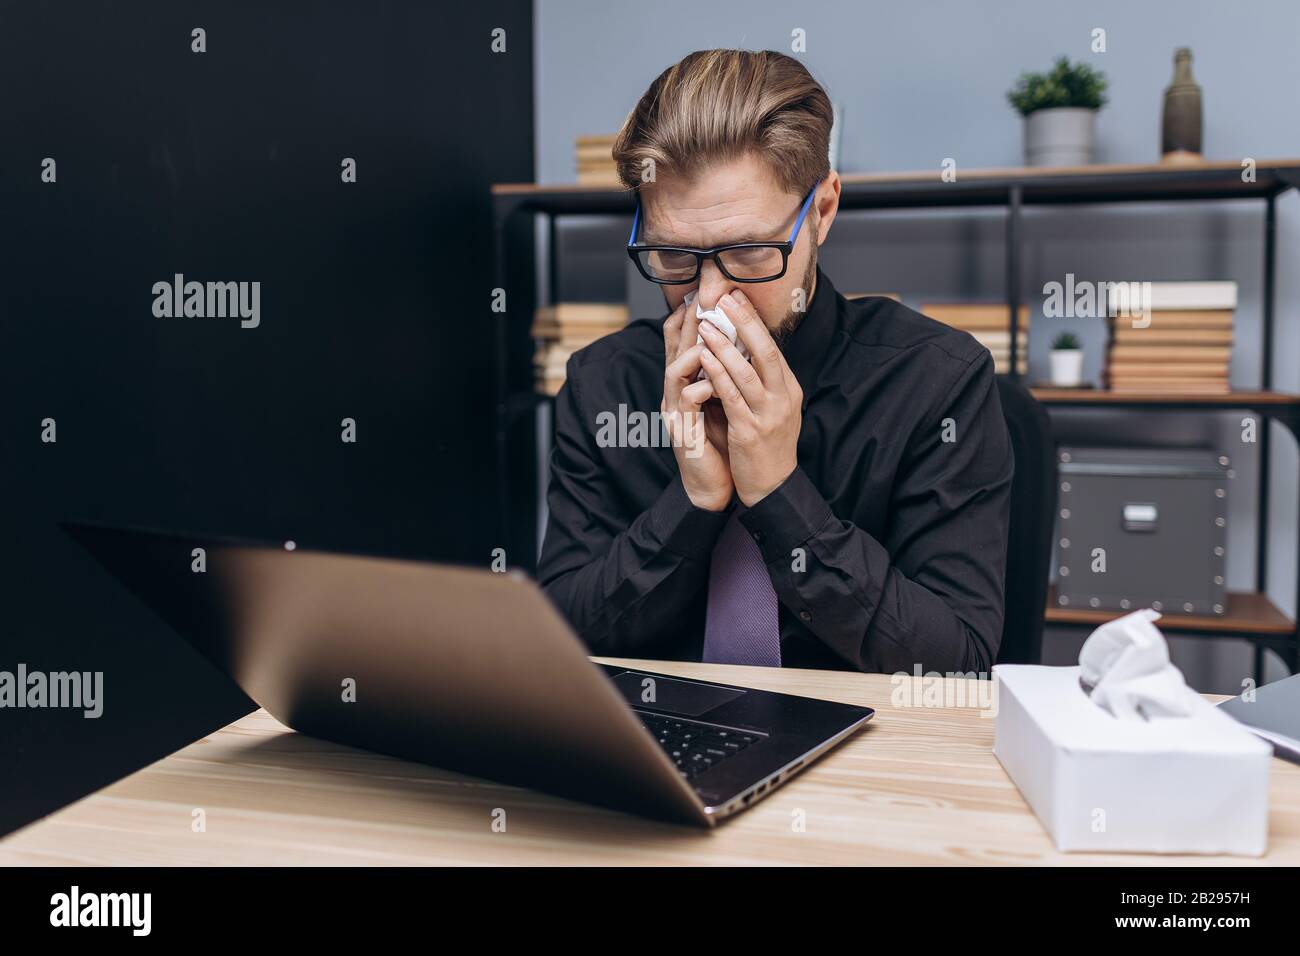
[
  {"x": 722, "y": 324},
  {"x": 1126, "y": 664}
]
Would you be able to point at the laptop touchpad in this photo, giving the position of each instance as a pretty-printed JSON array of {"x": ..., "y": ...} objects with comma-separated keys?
[{"x": 682, "y": 697}]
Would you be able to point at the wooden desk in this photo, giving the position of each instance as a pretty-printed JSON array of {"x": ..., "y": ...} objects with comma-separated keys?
[{"x": 918, "y": 786}]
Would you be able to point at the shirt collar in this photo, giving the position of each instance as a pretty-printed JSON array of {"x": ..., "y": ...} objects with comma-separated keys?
[{"x": 805, "y": 350}]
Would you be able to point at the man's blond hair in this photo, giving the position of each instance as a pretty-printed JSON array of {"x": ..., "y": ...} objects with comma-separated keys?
[{"x": 716, "y": 106}]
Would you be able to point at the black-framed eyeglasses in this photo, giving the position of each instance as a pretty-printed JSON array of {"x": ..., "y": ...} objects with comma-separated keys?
[{"x": 739, "y": 262}]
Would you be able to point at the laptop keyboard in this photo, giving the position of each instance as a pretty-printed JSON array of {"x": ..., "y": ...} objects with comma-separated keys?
[{"x": 696, "y": 747}]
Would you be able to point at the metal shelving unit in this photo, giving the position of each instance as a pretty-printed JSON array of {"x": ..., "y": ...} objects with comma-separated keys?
[{"x": 1250, "y": 616}]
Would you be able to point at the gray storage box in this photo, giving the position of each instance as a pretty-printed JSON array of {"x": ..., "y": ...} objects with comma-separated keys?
[{"x": 1142, "y": 527}]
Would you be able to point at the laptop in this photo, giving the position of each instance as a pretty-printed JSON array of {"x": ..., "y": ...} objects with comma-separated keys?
[
  {"x": 1272, "y": 712},
  {"x": 468, "y": 670}
]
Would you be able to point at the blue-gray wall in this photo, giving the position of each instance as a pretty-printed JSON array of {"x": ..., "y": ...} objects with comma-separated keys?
[{"x": 925, "y": 80}]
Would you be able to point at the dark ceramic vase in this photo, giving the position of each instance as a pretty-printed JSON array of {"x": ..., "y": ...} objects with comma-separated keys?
[{"x": 1180, "y": 138}]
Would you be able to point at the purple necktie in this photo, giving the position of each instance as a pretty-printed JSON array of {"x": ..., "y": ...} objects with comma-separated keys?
[{"x": 742, "y": 623}]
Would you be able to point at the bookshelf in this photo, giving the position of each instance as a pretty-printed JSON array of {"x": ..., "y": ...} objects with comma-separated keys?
[
  {"x": 1245, "y": 613},
  {"x": 1250, "y": 615},
  {"x": 1280, "y": 406}
]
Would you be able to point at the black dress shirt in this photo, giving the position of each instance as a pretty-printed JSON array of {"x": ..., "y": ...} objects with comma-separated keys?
[{"x": 886, "y": 546}]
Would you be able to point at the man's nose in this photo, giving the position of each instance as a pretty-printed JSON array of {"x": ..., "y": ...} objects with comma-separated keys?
[{"x": 713, "y": 286}]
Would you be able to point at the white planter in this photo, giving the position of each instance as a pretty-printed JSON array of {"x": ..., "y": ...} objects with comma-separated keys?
[
  {"x": 1067, "y": 367},
  {"x": 1060, "y": 137}
]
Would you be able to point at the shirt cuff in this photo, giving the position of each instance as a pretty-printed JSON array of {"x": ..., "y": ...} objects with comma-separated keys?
[
  {"x": 787, "y": 517},
  {"x": 683, "y": 528}
]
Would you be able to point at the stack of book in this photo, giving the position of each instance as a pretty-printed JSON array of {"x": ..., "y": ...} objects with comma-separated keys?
[
  {"x": 562, "y": 329},
  {"x": 596, "y": 161},
  {"x": 1185, "y": 347},
  {"x": 989, "y": 324}
]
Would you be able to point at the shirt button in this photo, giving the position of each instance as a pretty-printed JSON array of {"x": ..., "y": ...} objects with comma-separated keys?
[
  {"x": 758, "y": 536},
  {"x": 805, "y": 616}
]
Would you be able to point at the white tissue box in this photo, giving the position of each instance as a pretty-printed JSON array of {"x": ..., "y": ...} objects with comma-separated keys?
[{"x": 1196, "y": 784}]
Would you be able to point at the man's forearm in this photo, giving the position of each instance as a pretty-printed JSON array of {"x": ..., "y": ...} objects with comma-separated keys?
[
  {"x": 630, "y": 596},
  {"x": 844, "y": 587}
]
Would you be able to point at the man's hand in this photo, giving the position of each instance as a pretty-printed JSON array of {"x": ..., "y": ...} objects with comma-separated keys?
[
  {"x": 762, "y": 401},
  {"x": 698, "y": 433}
]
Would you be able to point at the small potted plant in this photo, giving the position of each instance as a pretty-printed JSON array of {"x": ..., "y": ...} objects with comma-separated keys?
[
  {"x": 1060, "y": 110},
  {"x": 1067, "y": 361}
]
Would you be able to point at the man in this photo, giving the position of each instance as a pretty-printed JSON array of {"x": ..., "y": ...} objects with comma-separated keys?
[{"x": 845, "y": 503}]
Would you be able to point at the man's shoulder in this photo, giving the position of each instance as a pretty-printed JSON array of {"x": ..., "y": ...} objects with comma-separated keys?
[
  {"x": 890, "y": 348},
  {"x": 620, "y": 359},
  {"x": 640, "y": 337},
  {"x": 884, "y": 324}
]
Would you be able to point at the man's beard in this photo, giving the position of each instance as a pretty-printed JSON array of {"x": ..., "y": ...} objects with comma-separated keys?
[{"x": 785, "y": 328}]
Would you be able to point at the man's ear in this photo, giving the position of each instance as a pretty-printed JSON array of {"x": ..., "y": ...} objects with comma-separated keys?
[{"x": 827, "y": 204}]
